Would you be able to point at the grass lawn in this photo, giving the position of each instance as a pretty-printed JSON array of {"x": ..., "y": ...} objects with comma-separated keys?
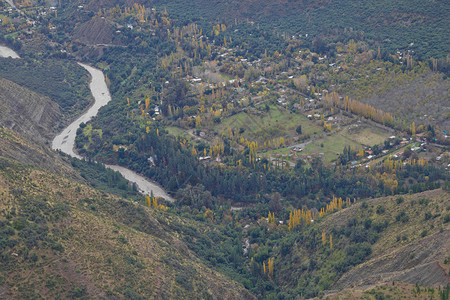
[{"x": 273, "y": 153}]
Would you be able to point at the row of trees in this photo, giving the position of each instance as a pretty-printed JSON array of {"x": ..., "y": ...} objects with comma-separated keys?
[{"x": 359, "y": 108}]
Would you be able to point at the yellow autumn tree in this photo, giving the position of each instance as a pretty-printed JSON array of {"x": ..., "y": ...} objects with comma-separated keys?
[
  {"x": 209, "y": 215},
  {"x": 270, "y": 265},
  {"x": 271, "y": 218},
  {"x": 361, "y": 153},
  {"x": 413, "y": 129}
]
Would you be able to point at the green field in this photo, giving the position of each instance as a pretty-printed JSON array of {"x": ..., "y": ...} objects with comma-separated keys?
[
  {"x": 330, "y": 146},
  {"x": 275, "y": 123},
  {"x": 333, "y": 144},
  {"x": 366, "y": 135},
  {"x": 176, "y": 131},
  {"x": 279, "y": 122}
]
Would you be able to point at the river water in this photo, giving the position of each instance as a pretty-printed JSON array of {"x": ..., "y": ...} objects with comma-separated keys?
[
  {"x": 65, "y": 141},
  {"x": 8, "y": 52},
  {"x": 10, "y": 2}
]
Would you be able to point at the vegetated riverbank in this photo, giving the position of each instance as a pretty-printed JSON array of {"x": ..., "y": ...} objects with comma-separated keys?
[{"x": 66, "y": 139}]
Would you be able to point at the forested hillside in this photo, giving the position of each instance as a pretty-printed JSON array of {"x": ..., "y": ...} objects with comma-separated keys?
[{"x": 421, "y": 26}]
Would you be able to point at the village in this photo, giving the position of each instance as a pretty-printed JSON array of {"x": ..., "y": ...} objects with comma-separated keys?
[{"x": 289, "y": 119}]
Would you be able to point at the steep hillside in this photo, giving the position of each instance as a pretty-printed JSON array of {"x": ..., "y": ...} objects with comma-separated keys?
[
  {"x": 94, "y": 32},
  {"x": 418, "y": 95},
  {"x": 374, "y": 242},
  {"x": 27, "y": 112},
  {"x": 62, "y": 238},
  {"x": 393, "y": 290},
  {"x": 27, "y": 151},
  {"x": 63, "y": 81},
  {"x": 27, "y": 124},
  {"x": 412, "y": 248}
]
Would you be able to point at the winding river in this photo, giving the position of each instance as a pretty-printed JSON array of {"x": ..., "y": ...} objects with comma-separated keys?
[{"x": 66, "y": 139}]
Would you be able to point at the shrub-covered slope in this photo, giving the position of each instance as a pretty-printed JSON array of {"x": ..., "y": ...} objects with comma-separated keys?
[
  {"x": 60, "y": 238},
  {"x": 420, "y": 26},
  {"x": 373, "y": 242}
]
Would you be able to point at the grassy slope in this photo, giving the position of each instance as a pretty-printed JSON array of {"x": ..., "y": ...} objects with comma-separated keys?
[
  {"x": 412, "y": 251},
  {"x": 19, "y": 148},
  {"x": 409, "y": 94},
  {"x": 394, "y": 290},
  {"x": 60, "y": 237}
]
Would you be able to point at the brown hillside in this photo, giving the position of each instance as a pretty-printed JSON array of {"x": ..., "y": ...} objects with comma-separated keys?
[
  {"x": 63, "y": 239},
  {"x": 391, "y": 290},
  {"x": 421, "y": 98},
  {"x": 20, "y": 148},
  {"x": 27, "y": 112},
  {"x": 94, "y": 32},
  {"x": 27, "y": 124}
]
